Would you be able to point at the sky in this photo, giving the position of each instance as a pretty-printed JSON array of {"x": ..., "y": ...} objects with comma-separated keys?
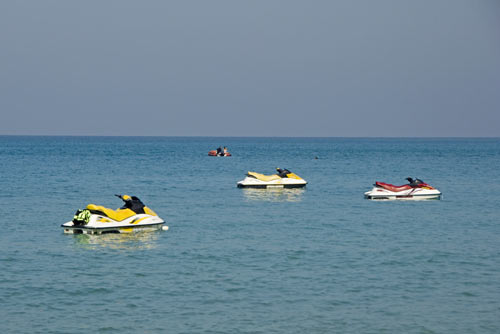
[{"x": 346, "y": 68}]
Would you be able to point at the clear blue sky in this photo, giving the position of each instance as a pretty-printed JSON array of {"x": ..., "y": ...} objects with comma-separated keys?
[{"x": 250, "y": 68}]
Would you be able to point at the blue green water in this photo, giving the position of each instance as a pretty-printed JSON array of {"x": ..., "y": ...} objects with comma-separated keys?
[{"x": 318, "y": 260}]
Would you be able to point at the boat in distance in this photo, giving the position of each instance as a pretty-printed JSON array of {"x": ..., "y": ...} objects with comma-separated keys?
[
  {"x": 282, "y": 179},
  {"x": 132, "y": 217},
  {"x": 414, "y": 190},
  {"x": 219, "y": 152}
]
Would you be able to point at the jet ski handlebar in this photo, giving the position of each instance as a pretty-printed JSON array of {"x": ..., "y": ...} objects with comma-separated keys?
[
  {"x": 122, "y": 197},
  {"x": 414, "y": 182},
  {"x": 129, "y": 199},
  {"x": 282, "y": 172}
]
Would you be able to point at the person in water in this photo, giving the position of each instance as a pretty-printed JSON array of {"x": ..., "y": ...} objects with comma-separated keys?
[{"x": 225, "y": 151}]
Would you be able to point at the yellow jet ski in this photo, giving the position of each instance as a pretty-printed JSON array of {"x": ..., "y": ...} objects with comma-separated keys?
[
  {"x": 282, "y": 179},
  {"x": 96, "y": 219}
]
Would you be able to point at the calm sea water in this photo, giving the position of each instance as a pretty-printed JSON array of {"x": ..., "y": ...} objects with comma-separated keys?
[{"x": 319, "y": 260}]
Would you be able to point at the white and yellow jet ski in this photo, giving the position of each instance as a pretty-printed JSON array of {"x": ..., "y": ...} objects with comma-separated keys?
[
  {"x": 282, "y": 179},
  {"x": 96, "y": 219}
]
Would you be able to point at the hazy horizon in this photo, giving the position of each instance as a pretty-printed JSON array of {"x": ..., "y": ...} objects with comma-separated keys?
[
  {"x": 251, "y": 69},
  {"x": 203, "y": 136}
]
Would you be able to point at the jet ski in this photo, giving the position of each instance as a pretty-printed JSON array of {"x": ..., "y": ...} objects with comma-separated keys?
[
  {"x": 414, "y": 190},
  {"x": 96, "y": 219},
  {"x": 213, "y": 153},
  {"x": 282, "y": 179},
  {"x": 219, "y": 152}
]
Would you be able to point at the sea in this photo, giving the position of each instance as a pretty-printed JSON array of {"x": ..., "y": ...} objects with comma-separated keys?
[{"x": 316, "y": 260}]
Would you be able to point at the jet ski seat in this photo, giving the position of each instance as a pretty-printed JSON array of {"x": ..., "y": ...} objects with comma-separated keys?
[
  {"x": 392, "y": 187},
  {"x": 117, "y": 215},
  {"x": 262, "y": 177}
]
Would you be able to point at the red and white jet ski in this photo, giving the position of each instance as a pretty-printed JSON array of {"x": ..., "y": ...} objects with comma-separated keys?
[{"x": 414, "y": 190}]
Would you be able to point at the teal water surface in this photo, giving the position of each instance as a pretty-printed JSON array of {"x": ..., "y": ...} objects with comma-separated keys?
[{"x": 318, "y": 260}]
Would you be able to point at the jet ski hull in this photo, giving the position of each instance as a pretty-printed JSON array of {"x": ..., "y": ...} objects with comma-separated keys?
[
  {"x": 251, "y": 182},
  {"x": 100, "y": 225},
  {"x": 414, "y": 194}
]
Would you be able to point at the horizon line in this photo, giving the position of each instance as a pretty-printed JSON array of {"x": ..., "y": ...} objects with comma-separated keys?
[{"x": 208, "y": 136}]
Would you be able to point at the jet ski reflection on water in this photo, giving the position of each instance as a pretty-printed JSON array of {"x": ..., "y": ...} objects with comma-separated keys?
[
  {"x": 96, "y": 219},
  {"x": 282, "y": 179},
  {"x": 414, "y": 190},
  {"x": 273, "y": 194},
  {"x": 123, "y": 241}
]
